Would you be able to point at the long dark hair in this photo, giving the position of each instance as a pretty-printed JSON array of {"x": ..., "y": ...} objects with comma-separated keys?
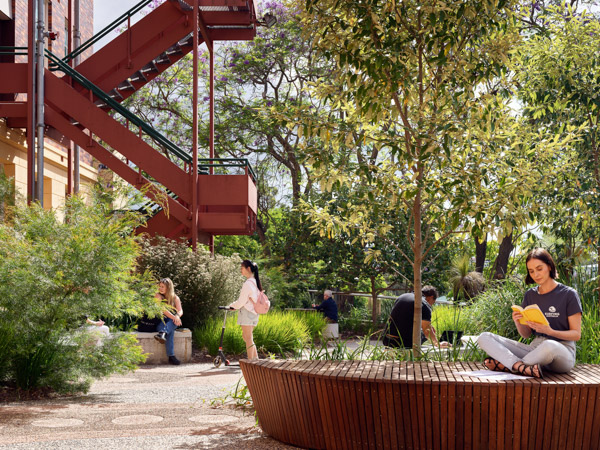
[
  {"x": 254, "y": 268},
  {"x": 543, "y": 255}
]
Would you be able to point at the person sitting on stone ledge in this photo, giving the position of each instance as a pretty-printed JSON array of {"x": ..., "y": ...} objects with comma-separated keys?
[{"x": 172, "y": 318}]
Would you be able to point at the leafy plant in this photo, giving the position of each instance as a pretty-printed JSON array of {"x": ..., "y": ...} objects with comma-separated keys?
[
  {"x": 277, "y": 332},
  {"x": 491, "y": 310},
  {"x": 357, "y": 320},
  {"x": 465, "y": 284},
  {"x": 55, "y": 272},
  {"x": 201, "y": 282}
]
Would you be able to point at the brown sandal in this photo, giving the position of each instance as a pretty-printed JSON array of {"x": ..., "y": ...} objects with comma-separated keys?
[
  {"x": 534, "y": 370},
  {"x": 493, "y": 364}
]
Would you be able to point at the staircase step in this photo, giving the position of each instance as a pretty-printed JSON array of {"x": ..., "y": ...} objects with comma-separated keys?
[
  {"x": 126, "y": 86},
  {"x": 150, "y": 67},
  {"x": 174, "y": 50},
  {"x": 188, "y": 41},
  {"x": 138, "y": 76},
  {"x": 185, "y": 6},
  {"x": 163, "y": 58},
  {"x": 115, "y": 94}
]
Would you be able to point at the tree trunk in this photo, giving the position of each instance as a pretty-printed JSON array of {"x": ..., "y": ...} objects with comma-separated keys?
[
  {"x": 501, "y": 264},
  {"x": 480, "y": 253},
  {"x": 417, "y": 261},
  {"x": 262, "y": 237},
  {"x": 375, "y": 309}
]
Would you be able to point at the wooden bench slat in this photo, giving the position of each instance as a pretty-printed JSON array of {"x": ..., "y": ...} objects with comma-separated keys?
[{"x": 370, "y": 404}]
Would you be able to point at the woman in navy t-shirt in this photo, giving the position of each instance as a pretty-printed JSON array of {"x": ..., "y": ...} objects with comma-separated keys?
[{"x": 553, "y": 347}]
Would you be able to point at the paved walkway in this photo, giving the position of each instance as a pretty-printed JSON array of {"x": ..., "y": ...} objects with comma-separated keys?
[{"x": 156, "y": 407}]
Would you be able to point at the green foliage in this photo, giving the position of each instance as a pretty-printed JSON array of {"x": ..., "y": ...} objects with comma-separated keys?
[
  {"x": 277, "y": 332},
  {"x": 449, "y": 318},
  {"x": 7, "y": 196},
  {"x": 201, "y": 282},
  {"x": 242, "y": 245},
  {"x": 6, "y": 342},
  {"x": 491, "y": 310},
  {"x": 465, "y": 284},
  {"x": 357, "y": 320},
  {"x": 314, "y": 321},
  {"x": 54, "y": 273},
  {"x": 366, "y": 350}
]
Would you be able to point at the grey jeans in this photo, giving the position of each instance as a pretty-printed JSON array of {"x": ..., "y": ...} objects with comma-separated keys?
[{"x": 552, "y": 355}]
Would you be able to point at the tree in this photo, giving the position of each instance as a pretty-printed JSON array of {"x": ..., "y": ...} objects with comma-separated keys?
[
  {"x": 559, "y": 80},
  {"x": 257, "y": 84},
  {"x": 408, "y": 76}
]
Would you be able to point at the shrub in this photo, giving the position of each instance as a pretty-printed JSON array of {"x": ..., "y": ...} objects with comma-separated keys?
[
  {"x": 53, "y": 273},
  {"x": 465, "y": 284},
  {"x": 357, "y": 320},
  {"x": 315, "y": 322},
  {"x": 201, "y": 282},
  {"x": 277, "y": 332},
  {"x": 491, "y": 311},
  {"x": 449, "y": 318}
]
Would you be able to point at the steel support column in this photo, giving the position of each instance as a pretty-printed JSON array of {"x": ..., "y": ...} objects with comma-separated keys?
[
  {"x": 76, "y": 44},
  {"x": 211, "y": 95},
  {"x": 31, "y": 101},
  {"x": 212, "y": 127},
  {"x": 194, "y": 174},
  {"x": 39, "y": 69}
]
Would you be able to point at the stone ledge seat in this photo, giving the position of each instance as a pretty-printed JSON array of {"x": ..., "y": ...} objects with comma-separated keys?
[
  {"x": 157, "y": 354},
  {"x": 421, "y": 405}
]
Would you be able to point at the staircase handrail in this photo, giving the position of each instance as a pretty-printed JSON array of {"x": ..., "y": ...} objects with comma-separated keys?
[
  {"x": 146, "y": 128},
  {"x": 107, "y": 29},
  {"x": 11, "y": 50},
  {"x": 227, "y": 162},
  {"x": 116, "y": 106}
]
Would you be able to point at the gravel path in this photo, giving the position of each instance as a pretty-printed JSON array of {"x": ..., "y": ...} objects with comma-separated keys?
[{"x": 156, "y": 407}]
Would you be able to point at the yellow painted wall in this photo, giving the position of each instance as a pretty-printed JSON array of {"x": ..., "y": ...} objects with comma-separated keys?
[{"x": 13, "y": 156}]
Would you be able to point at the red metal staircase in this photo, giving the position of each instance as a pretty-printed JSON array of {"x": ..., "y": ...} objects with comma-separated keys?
[{"x": 82, "y": 106}]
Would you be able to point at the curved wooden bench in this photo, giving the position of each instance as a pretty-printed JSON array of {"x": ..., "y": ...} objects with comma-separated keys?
[{"x": 421, "y": 405}]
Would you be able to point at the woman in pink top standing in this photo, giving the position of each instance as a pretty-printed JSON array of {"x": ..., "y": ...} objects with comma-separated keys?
[{"x": 247, "y": 316}]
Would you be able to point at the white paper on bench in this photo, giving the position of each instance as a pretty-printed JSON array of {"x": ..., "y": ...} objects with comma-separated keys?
[{"x": 492, "y": 374}]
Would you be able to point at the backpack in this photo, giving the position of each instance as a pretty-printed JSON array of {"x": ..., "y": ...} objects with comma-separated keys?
[{"x": 262, "y": 304}]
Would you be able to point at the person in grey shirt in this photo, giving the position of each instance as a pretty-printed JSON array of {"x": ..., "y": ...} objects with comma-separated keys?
[{"x": 553, "y": 347}]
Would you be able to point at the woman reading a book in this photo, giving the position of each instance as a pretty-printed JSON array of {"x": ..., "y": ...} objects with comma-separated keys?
[{"x": 551, "y": 312}]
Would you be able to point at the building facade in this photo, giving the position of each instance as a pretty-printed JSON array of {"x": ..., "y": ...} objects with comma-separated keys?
[{"x": 13, "y": 142}]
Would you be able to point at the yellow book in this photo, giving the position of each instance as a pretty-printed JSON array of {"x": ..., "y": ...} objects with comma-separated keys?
[{"x": 531, "y": 313}]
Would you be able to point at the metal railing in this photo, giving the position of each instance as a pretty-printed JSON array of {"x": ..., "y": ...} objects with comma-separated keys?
[
  {"x": 159, "y": 138},
  {"x": 7, "y": 50},
  {"x": 227, "y": 162},
  {"x": 117, "y": 107},
  {"x": 102, "y": 33}
]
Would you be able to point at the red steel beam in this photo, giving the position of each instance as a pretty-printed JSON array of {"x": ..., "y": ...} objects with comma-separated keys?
[
  {"x": 236, "y": 3},
  {"x": 150, "y": 37},
  {"x": 227, "y": 190},
  {"x": 194, "y": 174},
  {"x": 110, "y": 160},
  {"x": 161, "y": 225},
  {"x": 232, "y": 34},
  {"x": 13, "y": 109},
  {"x": 117, "y": 136},
  {"x": 212, "y": 18},
  {"x": 13, "y": 78}
]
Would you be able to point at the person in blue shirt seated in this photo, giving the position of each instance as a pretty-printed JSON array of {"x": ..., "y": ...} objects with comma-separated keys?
[{"x": 328, "y": 307}]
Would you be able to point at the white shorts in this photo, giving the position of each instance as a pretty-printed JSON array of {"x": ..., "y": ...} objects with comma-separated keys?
[{"x": 247, "y": 318}]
